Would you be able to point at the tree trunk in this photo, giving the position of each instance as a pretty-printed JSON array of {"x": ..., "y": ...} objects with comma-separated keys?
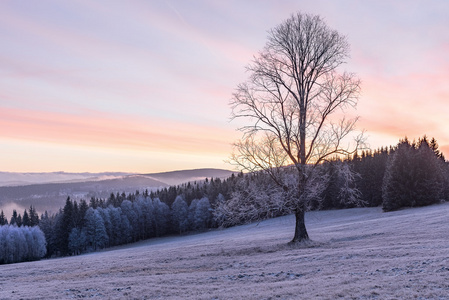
[{"x": 300, "y": 228}]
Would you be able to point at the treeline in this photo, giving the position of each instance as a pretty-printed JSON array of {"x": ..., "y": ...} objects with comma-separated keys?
[
  {"x": 409, "y": 174},
  {"x": 121, "y": 219},
  {"x": 30, "y": 218},
  {"x": 412, "y": 173}
]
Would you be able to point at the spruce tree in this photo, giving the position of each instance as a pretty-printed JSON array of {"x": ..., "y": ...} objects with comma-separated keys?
[
  {"x": 34, "y": 217},
  {"x": 415, "y": 175},
  {"x": 3, "y": 219},
  {"x": 398, "y": 181},
  {"x": 26, "y": 219},
  {"x": 13, "y": 220},
  {"x": 428, "y": 185}
]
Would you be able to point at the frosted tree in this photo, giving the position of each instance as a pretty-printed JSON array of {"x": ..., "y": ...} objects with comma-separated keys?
[
  {"x": 132, "y": 217},
  {"x": 294, "y": 99},
  {"x": 13, "y": 241},
  {"x": 104, "y": 213},
  {"x": 161, "y": 217},
  {"x": 180, "y": 211},
  {"x": 141, "y": 211},
  {"x": 145, "y": 210},
  {"x": 3, "y": 244},
  {"x": 348, "y": 194},
  {"x": 77, "y": 241},
  {"x": 116, "y": 223},
  {"x": 39, "y": 248},
  {"x": 96, "y": 235},
  {"x": 202, "y": 214},
  {"x": 21, "y": 244},
  {"x": 219, "y": 216},
  {"x": 192, "y": 210},
  {"x": 126, "y": 231}
]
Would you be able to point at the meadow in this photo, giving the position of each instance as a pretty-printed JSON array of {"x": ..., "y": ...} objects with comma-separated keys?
[{"x": 359, "y": 253}]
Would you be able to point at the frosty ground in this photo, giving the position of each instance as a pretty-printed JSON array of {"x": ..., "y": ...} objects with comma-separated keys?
[{"x": 359, "y": 253}]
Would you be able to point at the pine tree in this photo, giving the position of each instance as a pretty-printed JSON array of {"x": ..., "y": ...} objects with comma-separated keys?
[
  {"x": 428, "y": 187},
  {"x": 415, "y": 176},
  {"x": 397, "y": 189},
  {"x": 13, "y": 220},
  {"x": 19, "y": 221},
  {"x": 34, "y": 217},
  {"x": 26, "y": 219},
  {"x": 3, "y": 220},
  {"x": 65, "y": 224},
  {"x": 47, "y": 224}
]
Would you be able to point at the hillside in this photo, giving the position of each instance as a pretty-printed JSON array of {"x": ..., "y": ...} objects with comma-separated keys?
[
  {"x": 358, "y": 253},
  {"x": 178, "y": 177},
  {"x": 46, "y": 195}
]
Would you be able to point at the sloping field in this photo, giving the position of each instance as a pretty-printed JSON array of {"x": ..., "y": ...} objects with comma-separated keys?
[{"x": 357, "y": 253}]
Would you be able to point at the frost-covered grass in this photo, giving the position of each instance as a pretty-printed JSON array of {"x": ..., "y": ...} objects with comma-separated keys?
[{"x": 357, "y": 253}]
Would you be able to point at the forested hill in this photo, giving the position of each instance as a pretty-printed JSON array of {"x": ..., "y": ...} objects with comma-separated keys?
[
  {"x": 50, "y": 196},
  {"x": 184, "y": 176}
]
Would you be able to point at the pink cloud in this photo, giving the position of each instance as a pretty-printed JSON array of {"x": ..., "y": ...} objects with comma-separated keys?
[{"x": 114, "y": 131}]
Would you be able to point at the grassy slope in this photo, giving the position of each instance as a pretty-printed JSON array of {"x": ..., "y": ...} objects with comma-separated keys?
[{"x": 356, "y": 254}]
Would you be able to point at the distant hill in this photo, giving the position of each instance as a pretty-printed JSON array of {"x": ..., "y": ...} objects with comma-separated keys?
[
  {"x": 37, "y": 189},
  {"x": 16, "y": 179},
  {"x": 178, "y": 177}
]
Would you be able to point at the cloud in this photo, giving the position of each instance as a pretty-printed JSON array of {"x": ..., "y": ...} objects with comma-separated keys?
[{"x": 118, "y": 131}]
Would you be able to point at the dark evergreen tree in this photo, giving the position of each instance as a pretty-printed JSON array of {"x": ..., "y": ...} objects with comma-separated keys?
[
  {"x": 13, "y": 220},
  {"x": 19, "y": 221},
  {"x": 34, "y": 217},
  {"x": 77, "y": 241},
  {"x": 415, "y": 175},
  {"x": 26, "y": 219},
  {"x": 3, "y": 219},
  {"x": 65, "y": 224},
  {"x": 399, "y": 177},
  {"x": 429, "y": 179},
  {"x": 47, "y": 224},
  {"x": 82, "y": 209}
]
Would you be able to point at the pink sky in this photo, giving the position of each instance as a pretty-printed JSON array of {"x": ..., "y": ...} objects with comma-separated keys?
[{"x": 144, "y": 86}]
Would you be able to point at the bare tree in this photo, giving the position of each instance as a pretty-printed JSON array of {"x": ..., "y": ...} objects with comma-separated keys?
[{"x": 293, "y": 99}]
